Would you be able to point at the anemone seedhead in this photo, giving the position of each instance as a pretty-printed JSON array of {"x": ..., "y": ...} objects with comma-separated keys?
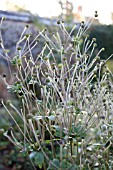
[
  {"x": 53, "y": 64},
  {"x": 1, "y": 131},
  {"x": 95, "y": 76},
  {"x": 6, "y": 51},
  {"x": 79, "y": 120},
  {"x": 94, "y": 71},
  {"x": 47, "y": 42},
  {"x": 10, "y": 129},
  {"x": 37, "y": 40},
  {"x": 8, "y": 102},
  {"x": 94, "y": 44},
  {"x": 46, "y": 58},
  {"x": 3, "y": 18},
  {"x": 27, "y": 35},
  {"x": 87, "y": 36},
  {"x": 103, "y": 49},
  {"x": 27, "y": 26},
  {"x": 82, "y": 24},
  {"x": 4, "y": 75},
  {"x": 45, "y": 29},
  {"x": 46, "y": 74},
  {"x": 15, "y": 74},
  {"x": 60, "y": 65},
  {"x": 64, "y": 58},
  {"x": 41, "y": 86},
  {"x": 23, "y": 56},
  {"x": 19, "y": 48},
  {"x": 52, "y": 50},
  {"x": 94, "y": 39},
  {"x": 29, "y": 116},
  {"x": 107, "y": 74},
  {"x": 59, "y": 22},
  {"x": 102, "y": 117},
  {"x": 62, "y": 46},
  {"x": 98, "y": 58},
  {"x": 47, "y": 80},
  {"x": 104, "y": 127},
  {"x": 96, "y": 14},
  {"x": 107, "y": 71}
]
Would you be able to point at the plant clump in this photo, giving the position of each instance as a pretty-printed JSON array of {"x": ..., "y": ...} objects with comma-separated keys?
[{"x": 65, "y": 102}]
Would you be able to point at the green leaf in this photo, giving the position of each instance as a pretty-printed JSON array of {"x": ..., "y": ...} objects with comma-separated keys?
[
  {"x": 55, "y": 164},
  {"x": 73, "y": 167},
  {"x": 79, "y": 131},
  {"x": 37, "y": 158},
  {"x": 65, "y": 164}
]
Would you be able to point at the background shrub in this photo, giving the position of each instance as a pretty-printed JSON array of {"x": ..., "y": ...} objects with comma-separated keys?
[{"x": 104, "y": 37}]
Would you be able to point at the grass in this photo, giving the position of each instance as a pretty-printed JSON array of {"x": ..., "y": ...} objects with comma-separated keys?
[{"x": 65, "y": 101}]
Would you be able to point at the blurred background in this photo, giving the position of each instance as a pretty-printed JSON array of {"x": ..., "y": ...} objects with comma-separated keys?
[
  {"x": 81, "y": 9},
  {"x": 40, "y": 14}
]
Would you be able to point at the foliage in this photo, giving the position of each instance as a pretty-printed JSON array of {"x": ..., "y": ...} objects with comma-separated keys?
[
  {"x": 69, "y": 125},
  {"x": 103, "y": 34},
  {"x": 12, "y": 158}
]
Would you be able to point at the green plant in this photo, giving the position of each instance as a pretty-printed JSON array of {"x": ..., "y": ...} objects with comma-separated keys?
[
  {"x": 10, "y": 157},
  {"x": 68, "y": 124}
]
